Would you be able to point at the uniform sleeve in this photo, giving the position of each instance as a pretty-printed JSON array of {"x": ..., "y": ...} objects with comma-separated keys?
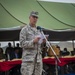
[{"x": 23, "y": 42}]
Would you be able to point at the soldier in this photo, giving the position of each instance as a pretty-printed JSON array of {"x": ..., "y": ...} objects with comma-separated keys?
[{"x": 31, "y": 56}]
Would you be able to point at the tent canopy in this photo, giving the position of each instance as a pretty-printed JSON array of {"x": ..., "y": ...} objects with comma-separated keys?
[
  {"x": 52, "y": 16},
  {"x": 13, "y": 35}
]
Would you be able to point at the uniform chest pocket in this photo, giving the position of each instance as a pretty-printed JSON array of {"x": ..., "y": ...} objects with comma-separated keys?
[{"x": 30, "y": 35}]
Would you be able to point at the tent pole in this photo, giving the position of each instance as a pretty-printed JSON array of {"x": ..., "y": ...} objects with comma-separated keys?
[
  {"x": 13, "y": 43},
  {"x": 73, "y": 44}
]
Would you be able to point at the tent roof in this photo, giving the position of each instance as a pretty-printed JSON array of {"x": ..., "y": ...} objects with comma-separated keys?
[
  {"x": 13, "y": 35},
  {"x": 52, "y": 15},
  {"x": 55, "y": 17}
]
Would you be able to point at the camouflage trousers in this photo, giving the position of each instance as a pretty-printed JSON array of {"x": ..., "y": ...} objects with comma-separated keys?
[{"x": 28, "y": 67}]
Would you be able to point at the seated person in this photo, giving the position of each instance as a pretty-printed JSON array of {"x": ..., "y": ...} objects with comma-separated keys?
[
  {"x": 9, "y": 47},
  {"x": 2, "y": 56},
  {"x": 8, "y": 54},
  {"x": 16, "y": 53},
  {"x": 73, "y": 52},
  {"x": 16, "y": 70},
  {"x": 67, "y": 67},
  {"x": 64, "y": 52},
  {"x": 20, "y": 50}
]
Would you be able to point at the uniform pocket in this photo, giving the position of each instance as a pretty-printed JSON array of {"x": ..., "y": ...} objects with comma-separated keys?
[{"x": 29, "y": 57}]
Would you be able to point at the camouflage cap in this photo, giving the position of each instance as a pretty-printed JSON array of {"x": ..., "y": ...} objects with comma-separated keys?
[{"x": 33, "y": 13}]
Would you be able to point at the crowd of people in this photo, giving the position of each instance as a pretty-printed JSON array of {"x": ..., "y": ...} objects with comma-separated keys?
[
  {"x": 11, "y": 53},
  {"x": 16, "y": 53},
  {"x": 50, "y": 69}
]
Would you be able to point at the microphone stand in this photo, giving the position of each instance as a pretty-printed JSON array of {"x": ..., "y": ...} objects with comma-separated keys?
[{"x": 56, "y": 57}]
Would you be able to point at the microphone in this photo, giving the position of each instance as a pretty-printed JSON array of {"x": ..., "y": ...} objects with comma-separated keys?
[{"x": 39, "y": 28}]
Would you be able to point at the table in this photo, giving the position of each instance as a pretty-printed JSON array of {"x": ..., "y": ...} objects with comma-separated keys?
[
  {"x": 64, "y": 60},
  {"x": 7, "y": 65}
]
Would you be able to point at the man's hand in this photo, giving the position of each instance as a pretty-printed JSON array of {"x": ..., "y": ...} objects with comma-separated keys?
[{"x": 36, "y": 39}]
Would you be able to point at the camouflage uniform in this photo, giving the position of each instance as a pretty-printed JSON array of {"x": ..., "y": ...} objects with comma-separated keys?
[{"x": 30, "y": 50}]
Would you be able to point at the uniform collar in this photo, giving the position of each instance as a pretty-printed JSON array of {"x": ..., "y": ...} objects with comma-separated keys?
[{"x": 32, "y": 28}]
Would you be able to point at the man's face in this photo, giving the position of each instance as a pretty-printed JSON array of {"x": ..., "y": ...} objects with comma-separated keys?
[{"x": 33, "y": 20}]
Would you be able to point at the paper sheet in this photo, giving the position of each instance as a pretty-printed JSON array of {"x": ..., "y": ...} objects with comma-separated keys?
[{"x": 41, "y": 38}]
